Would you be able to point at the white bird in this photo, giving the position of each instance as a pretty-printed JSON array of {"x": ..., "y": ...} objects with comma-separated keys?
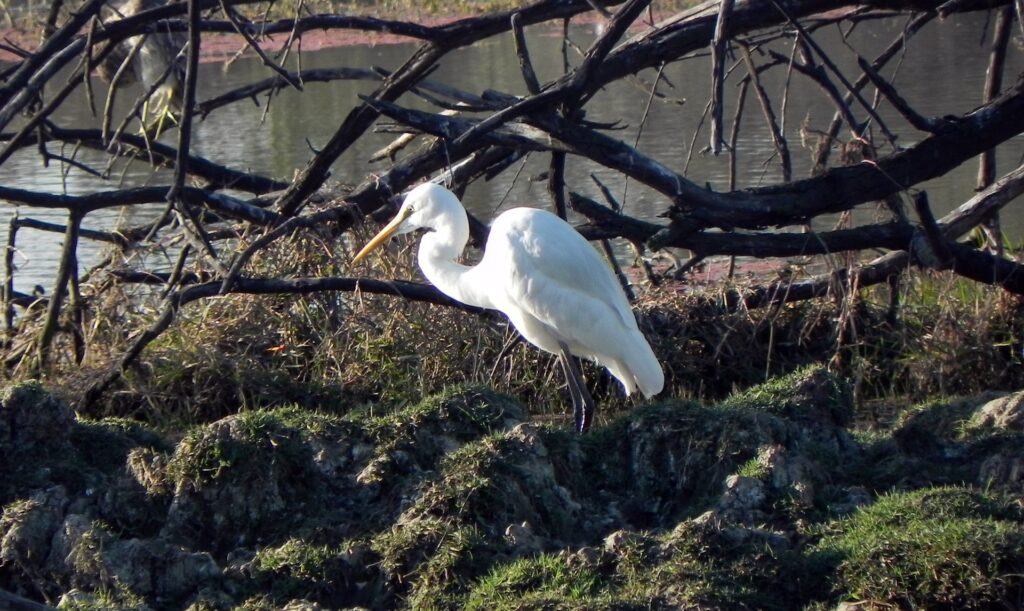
[{"x": 536, "y": 269}]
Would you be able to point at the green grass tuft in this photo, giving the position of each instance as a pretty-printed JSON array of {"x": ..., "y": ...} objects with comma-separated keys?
[
  {"x": 945, "y": 547},
  {"x": 544, "y": 581}
]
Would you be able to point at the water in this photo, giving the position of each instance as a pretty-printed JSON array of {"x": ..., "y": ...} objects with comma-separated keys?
[{"x": 941, "y": 73}]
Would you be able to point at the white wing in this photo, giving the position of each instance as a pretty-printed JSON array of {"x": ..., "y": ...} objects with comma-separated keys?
[{"x": 554, "y": 287}]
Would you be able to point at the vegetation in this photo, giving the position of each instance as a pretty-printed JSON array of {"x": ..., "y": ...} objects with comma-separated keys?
[
  {"x": 268, "y": 448},
  {"x": 768, "y": 499},
  {"x": 951, "y": 548}
]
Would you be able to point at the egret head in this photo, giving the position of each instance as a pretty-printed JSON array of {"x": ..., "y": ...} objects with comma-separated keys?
[{"x": 428, "y": 206}]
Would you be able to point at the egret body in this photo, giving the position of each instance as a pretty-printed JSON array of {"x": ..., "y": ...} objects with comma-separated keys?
[{"x": 537, "y": 270}]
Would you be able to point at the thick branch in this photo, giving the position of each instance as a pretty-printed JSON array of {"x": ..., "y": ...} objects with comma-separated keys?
[
  {"x": 217, "y": 202},
  {"x": 837, "y": 190},
  {"x": 216, "y": 175},
  {"x": 608, "y": 224},
  {"x": 718, "y": 47},
  {"x": 68, "y": 266}
]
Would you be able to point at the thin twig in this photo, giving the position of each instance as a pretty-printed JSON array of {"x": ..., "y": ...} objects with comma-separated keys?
[{"x": 243, "y": 31}]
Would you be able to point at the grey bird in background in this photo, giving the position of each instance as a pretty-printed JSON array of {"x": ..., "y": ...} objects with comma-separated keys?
[{"x": 155, "y": 59}]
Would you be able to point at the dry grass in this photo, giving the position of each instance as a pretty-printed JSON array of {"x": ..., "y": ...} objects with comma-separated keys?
[{"x": 340, "y": 351}]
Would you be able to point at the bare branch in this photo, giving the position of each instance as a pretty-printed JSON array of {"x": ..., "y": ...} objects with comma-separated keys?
[
  {"x": 523, "y": 55},
  {"x": 769, "y": 115},
  {"x": 885, "y": 87},
  {"x": 719, "y": 44}
]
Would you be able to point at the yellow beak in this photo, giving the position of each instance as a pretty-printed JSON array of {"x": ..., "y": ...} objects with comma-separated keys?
[{"x": 383, "y": 236}]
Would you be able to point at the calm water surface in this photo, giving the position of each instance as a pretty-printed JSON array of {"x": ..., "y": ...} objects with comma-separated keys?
[{"x": 941, "y": 73}]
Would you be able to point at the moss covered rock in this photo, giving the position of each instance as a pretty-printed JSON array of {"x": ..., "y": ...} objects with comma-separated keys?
[
  {"x": 238, "y": 479},
  {"x": 457, "y": 502}
]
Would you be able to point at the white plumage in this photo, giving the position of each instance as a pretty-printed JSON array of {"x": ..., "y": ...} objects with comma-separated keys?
[{"x": 553, "y": 286}]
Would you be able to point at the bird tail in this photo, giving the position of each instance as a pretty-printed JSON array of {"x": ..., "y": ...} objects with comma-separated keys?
[
  {"x": 649, "y": 376},
  {"x": 639, "y": 370}
]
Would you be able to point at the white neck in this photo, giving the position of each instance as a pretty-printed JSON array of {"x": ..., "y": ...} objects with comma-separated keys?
[{"x": 439, "y": 248}]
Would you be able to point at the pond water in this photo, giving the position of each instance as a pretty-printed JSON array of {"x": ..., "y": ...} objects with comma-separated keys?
[{"x": 941, "y": 73}]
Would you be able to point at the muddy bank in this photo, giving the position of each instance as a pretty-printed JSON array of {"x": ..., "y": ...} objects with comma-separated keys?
[
  {"x": 766, "y": 500},
  {"x": 218, "y": 47},
  {"x": 222, "y": 47}
]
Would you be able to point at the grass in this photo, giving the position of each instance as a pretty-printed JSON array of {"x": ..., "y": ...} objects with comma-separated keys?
[
  {"x": 104, "y": 599},
  {"x": 297, "y": 568},
  {"x": 952, "y": 548},
  {"x": 807, "y": 393},
  {"x": 541, "y": 582},
  {"x": 342, "y": 353}
]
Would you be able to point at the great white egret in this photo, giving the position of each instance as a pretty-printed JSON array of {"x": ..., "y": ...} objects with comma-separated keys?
[{"x": 536, "y": 269}]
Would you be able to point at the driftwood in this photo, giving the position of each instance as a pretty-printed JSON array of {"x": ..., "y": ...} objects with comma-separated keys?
[{"x": 475, "y": 135}]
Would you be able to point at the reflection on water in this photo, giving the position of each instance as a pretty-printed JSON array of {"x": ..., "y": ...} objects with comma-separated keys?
[{"x": 941, "y": 73}]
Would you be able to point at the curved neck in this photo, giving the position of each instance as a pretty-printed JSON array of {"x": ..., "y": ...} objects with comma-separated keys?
[{"x": 439, "y": 249}]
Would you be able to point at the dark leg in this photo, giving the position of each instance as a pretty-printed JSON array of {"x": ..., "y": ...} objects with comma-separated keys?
[
  {"x": 583, "y": 407},
  {"x": 574, "y": 392}
]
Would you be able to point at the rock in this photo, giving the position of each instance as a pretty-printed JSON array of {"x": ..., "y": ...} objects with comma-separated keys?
[
  {"x": 708, "y": 519},
  {"x": 302, "y": 605},
  {"x": 856, "y": 497},
  {"x": 586, "y": 556},
  {"x": 617, "y": 540},
  {"x": 742, "y": 499},
  {"x": 27, "y": 527},
  {"x": 31, "y": 418},
  {"x": 1004, "y": 413},
  {"x": 523, "y": 540},
  {"x": 708, "y": 532},
  {"x": 1003, "y": 471},
  {"x": 152, "y": 567},
  {"x": 757, "y": 537},
  {"x": 788, "y": 473},
  {"x": 374, "y": 473},
  {"x": 209, "y": 599},
  {"x": 335, "y": 457},
  {"x": 129, "y": 509},
  {"x": 93, "y": 558}
]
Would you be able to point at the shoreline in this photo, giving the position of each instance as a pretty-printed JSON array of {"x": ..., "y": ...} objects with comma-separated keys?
[
  {"x": 222, "y": 47},
  {"x": 217, "y": 47}
]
